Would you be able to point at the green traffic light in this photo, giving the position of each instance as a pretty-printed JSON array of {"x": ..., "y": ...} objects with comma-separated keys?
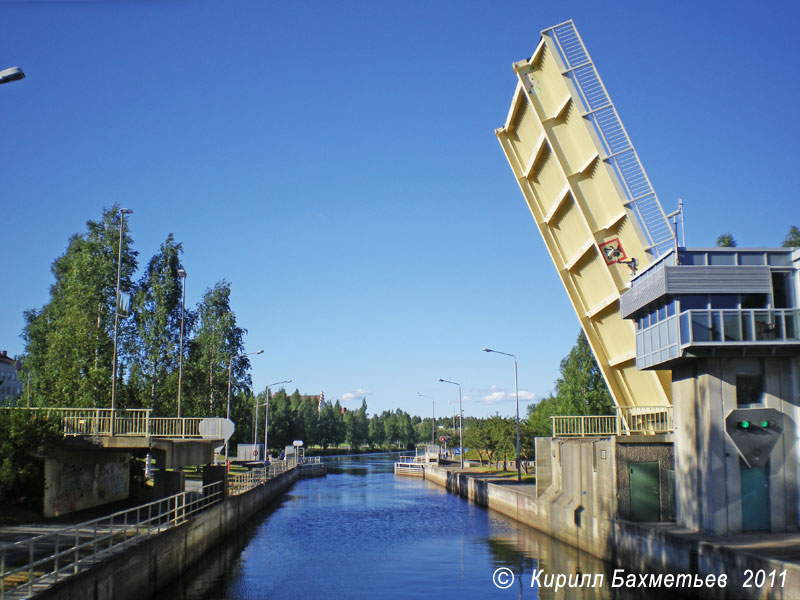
[
  {"x": 744, "y": 424},
  {"x": 765, "y": 424}
]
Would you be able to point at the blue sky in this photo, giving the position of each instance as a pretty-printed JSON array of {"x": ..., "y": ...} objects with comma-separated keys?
[{"x": 336, "y": 162}]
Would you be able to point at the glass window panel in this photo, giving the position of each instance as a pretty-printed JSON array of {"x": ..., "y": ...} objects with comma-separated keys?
[
  {"x": 654, "y": 345},
  {"x": 685, "y": 330},
  {"x": 724, "y": 300},
  {"x": 791, "y": 323},
  {"x": 646, "y": 340},
  {"x": 749, "y": 389},
  {"x": 733, "y": 326},
  {"x": 664, "y": 355},
  {"x": 662, "y": 312},
  {"x": 722, "y": 258},
  {"x": 693, "y": 258},
  {"x": 671, "y": 308},
  {"x": 662, "y": 334},
  {"x": 673, "y": 352},
  {"x": 701, "y": 332},
  {"x": 672, "y": 326},
  {"x": 639, "y": 344},
  {"x": 716, "y": 326},
  {"x": 779, "y": 259},
  {"x": 693, "y": 301},
  {"x": 764, "y": 325},
  {"x": 751, "y": 258},
  {"x": 754, "y": 301}
]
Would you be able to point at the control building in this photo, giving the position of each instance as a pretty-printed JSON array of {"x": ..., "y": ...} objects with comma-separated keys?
[{"x": 726, "y": 322}]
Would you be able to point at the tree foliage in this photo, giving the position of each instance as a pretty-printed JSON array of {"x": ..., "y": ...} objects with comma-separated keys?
[
  {"x": 726, "y": 240},
  {"x": 792, "y": 239},
  {"x": 24, "y": 445}
]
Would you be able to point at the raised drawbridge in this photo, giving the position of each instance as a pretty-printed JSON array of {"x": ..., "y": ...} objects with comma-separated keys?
[{"x": 591, "y": 199}]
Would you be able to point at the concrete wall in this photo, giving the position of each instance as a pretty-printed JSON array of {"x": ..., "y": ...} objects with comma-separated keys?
[
  {"x": 634, "y": 547},
  {"x": 142, "y": 570},
  {"x": 708, "y": 468},
  {"x": 79, "y": 479}
]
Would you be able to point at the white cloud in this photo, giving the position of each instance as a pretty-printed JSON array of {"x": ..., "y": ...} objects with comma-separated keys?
[
  {"x": 355, "y": 395},
  {"x": 497, "y": 396}
]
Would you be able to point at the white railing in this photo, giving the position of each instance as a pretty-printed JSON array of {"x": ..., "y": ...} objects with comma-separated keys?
[
  {"x": 135, "y": 422},
  {"x": 239, "y": 483},
  {"x": 31, "y": 565},
  {"x": 629, "y": 420}
]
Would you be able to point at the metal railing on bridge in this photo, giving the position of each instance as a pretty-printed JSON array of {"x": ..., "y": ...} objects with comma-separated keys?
[
  {"x": 629, "y": 420},
  {"x": 135, "y": 422}
]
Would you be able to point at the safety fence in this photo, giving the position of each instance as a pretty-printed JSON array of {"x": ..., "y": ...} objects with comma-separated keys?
[
  {"x": 239, "y": 483},
  {"x": 31, "y": 565},
  {"x": 136, "y": 422},
  {"x": 630, "y": 420}
]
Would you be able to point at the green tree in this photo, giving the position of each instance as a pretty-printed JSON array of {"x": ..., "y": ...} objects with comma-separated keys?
[
  {"x": 216, "y": 340},
  {"x": 581, "y": 388},
  {"x": 792, "y": 239},
  {"x": 25, "y": 443},
  {"x": 157, "y": 317},
  {"x": 726, "y": 240},
  {"x": 476, "y": 437},
  {"x": 357, "y": 426},
  {"x": 69, "y": 341}
]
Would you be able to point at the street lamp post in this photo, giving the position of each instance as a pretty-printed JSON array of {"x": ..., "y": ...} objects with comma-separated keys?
[
  {"x": 122, "y": 213},
  {"x": 266, "y": 416},
  {"x": 433, "y": 417},
  {"x": 228, "y": 411},
  {"x": 11, "y": 74},
  {"x": 516, "y": 394},
  {"x": 182, "y": 275},
  {"x": 460, "y": 423}
]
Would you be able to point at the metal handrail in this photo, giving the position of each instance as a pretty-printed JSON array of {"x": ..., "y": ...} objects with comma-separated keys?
[
  {"x": 132, "y": 422},
  {"x": 78, "y": 546},
  {"x": 628, "y": 420}
]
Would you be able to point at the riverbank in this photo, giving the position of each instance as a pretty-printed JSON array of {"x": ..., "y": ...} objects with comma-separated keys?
[{"x": 763, "y": 566}]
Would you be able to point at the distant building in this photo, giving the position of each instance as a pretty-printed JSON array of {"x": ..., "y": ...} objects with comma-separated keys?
[{"x": 10, "y": 385}]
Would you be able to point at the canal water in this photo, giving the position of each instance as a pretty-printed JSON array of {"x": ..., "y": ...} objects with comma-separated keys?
[{"x": 361, "y": 532}]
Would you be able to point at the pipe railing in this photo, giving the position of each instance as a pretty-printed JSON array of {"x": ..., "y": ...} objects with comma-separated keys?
[
  {"x": 54, "y": 556},
  {"x": 628, "y": 420},
  {"x": 135, "y": 422}
]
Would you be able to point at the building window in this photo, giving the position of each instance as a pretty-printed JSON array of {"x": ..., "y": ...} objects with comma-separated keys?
[{"x": 749, "y": 389}]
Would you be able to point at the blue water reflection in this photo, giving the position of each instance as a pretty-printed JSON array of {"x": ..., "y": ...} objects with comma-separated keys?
[{"x": 361, "y": 532}]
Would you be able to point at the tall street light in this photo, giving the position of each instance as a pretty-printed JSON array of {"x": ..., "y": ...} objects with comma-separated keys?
[
  {"x": 122, "y": 213},
  {"x": 433, "y": 417},
  {"x": 516, "y": 394},
  {"x": 228, "y": 411},
  {"x": 266, "y": 415},
  {"x": 182, "y": 275},
  {"x": 460, "y": 422},
  {"x": 11, "y": 74}
]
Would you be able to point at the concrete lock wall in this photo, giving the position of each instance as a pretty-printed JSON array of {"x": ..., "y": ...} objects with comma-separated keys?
[
  {"x": 143, "y": 569},
  {"x": 79, "y": 479}
]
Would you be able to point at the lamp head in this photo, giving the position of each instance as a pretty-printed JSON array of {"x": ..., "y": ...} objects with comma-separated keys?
[
  {"x": 126, "y": 211},
  {"x": 487, "y": 350},
  {"x": 260, "y": 352},
  {"x": 181, "y": 273}
]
